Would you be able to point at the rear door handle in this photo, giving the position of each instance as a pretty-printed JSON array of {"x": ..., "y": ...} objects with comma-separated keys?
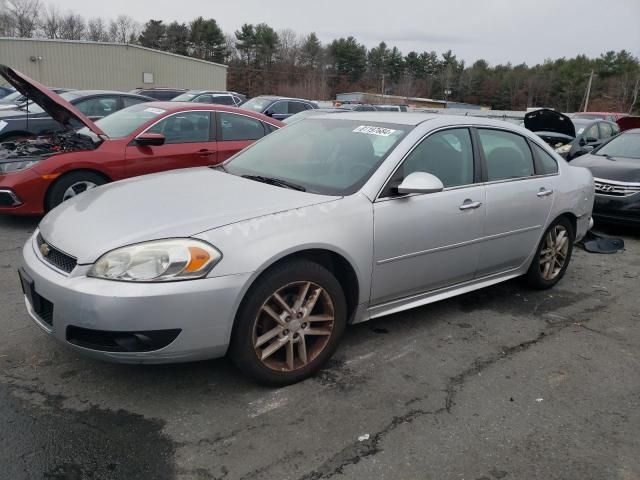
[
  {"x": 205, "y": 152},
  {"x": 469, "y": 205},
  {"x": 544, "y": 192}
]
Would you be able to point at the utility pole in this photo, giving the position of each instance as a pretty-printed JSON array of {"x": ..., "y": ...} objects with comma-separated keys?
[
  {"x": 586, "y": 101},
  {"x": 383, "y": 75}
]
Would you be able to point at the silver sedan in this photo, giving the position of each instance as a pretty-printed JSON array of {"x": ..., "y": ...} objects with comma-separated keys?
[{"x": 334, "y": 220}]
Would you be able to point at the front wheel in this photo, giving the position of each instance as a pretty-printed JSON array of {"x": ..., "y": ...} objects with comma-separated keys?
[
  {"x": 289, "y": 324},
  {"x": 70, "y": 185},
  {"x": 552, "y": 256}
]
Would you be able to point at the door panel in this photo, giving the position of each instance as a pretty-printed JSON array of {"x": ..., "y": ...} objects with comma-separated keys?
[
  {"x": 187, "y": 144},
  {"x": 516, "y": 216},
  {"x": 518, "y": 203},
  {"x": 425, "y": 242}
]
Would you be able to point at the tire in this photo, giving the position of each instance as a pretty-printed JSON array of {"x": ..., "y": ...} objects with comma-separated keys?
[
  {"x": 545, "y": 269},
  {"x": 79, "y": 181},
  {"x": 257, "y": 331}
]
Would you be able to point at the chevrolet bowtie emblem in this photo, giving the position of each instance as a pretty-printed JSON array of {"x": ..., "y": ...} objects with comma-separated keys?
[{"x": 45, "y": 249}]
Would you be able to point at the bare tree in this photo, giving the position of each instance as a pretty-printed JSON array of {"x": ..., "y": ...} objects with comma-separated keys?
[
  {"x": 23, "y": 15},
  {"x": 97, "y": 30},
  {"x": 6, "y": 24},
  {"x": 123, "y": 29},
  {"x": 72, "y": 27},
  {"x": 51, "y": 22}
]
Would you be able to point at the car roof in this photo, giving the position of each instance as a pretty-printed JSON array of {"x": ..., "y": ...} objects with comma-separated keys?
[
  {"x": 399, "y": 118},
  {"x": 185, "y": 106},
  {"x": 276, "y": 97},
  {"x": 86, "y": 93}
]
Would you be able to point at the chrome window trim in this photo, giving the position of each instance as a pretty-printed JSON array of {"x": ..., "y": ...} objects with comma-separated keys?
[
  {"x": 616, "y": 182},
  {"x": 203, "y": 110}
]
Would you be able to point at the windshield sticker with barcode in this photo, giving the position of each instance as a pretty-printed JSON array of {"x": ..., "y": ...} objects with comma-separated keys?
[
  {"x": 371, "y": 130},
  {"x": 580, "y": 131},
  {"x": 3, "y": 124},
  {"x": 157, "y": 111}
]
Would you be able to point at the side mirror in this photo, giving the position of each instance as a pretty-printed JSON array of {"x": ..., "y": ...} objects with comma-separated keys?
[
  {"x": 591, "y": 140},
  {"x": 420, "y": 182},
  {"x": 269, "y": 113},
  {"x": 150, "y": 139}
]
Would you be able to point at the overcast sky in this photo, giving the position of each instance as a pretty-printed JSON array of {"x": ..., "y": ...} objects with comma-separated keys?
[{"x": 496, "y": 30}]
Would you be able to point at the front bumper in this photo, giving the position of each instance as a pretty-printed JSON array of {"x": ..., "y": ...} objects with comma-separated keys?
[
  {"x": 22, "y": 193},
  {"x": 203, "y": 310},
  {"x": 617, "y": 209}
]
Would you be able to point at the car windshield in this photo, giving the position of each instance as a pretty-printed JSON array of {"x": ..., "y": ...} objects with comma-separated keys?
[
  {"x": 185, "y": 97},
  {"x": 12, "y": 98},
  {"x": 36, "y": 109},
  {"x": 626, "y": 145},
  {"x": 257, "y": 104},
  {"x": 325, "y": 156},
  {"x": 124, "y": 122}
]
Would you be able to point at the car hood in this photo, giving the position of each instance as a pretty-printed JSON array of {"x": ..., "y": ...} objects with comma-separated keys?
[
  {"x": 627, "y": 123},
  {"x": 619, "y": 169},
  {"x": 545, "y": 120},
  {"x": 52, "y": 103},
  {"x": 178, "y": 203}
]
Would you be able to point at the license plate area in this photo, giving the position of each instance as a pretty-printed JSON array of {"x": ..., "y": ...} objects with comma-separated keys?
[{"x": 40, "y": 305}]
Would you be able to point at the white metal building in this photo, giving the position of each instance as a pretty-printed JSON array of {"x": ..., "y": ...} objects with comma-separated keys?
[{"x": 111, "y": 66}]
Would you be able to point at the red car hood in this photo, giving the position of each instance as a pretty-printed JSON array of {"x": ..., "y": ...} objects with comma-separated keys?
[
  {"x": 627, "y": 123},
  {"x": 52, "y": 103}
]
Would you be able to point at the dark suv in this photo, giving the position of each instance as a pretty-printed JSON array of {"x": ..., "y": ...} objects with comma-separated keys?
[{"x": 278, "y": 107}]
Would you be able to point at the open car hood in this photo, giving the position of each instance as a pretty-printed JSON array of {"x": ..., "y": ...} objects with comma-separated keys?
[
  {"x": 627, "y": 123},
  {"x": 52, "y": 103},
  {"x": 545, "y": 120}
]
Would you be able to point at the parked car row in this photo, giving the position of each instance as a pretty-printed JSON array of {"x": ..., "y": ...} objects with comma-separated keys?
[{"x": 290, "y": 238}]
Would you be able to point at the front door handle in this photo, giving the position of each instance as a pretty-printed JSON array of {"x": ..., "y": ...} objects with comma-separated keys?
[
  {"x": 206, "y": 153},
  {"x": 544, "y": 192},
  {"x": 469, "y": 205}
]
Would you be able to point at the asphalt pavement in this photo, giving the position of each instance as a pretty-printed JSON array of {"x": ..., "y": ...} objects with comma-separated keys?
[{"x": 502, "y": 383}]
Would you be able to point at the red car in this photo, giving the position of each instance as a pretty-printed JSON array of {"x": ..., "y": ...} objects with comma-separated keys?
[{"x": 36, "y": 175}]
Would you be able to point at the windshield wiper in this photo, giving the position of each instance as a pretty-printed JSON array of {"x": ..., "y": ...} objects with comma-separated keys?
[{"x": 276, "y": 182}]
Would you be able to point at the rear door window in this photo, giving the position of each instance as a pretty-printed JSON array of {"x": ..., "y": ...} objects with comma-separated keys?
[
  {"x": 235, "y": 127},
  {"x": 223, "y": 100},
  {"x": 184, "y": 127},
  {"x": 506, "y": 154},
  {"x": 546, "y": 164}
]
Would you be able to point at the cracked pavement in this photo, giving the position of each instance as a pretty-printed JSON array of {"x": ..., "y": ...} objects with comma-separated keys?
[{"x": 500, "y": 383}]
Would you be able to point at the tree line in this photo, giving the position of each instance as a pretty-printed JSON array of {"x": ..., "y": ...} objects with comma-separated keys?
[{"x": 262, "y": 60}]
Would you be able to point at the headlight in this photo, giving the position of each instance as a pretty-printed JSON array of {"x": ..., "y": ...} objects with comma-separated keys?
[
  {"x": 158, "y": 261},
  {"x": 564, "y": 149},
  {"x": 10, "y": 167}
]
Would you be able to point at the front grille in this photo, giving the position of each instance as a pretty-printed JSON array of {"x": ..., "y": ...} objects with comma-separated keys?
[
  {"x": 55, "y": 257},
  {"x": 616, "y": 189}
]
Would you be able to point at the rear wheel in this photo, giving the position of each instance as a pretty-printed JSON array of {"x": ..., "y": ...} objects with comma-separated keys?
[
  {"x": 553, "y": 255},
  {"x": 290, "y": 323},
  {"x": 71, "y": 185}
]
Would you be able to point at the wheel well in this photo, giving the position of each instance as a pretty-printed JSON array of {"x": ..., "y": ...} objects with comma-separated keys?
[
  {"x": 336, "y": 264},
  {"x": 572, "y": 218},
  {"x": 48, "y": 192}
]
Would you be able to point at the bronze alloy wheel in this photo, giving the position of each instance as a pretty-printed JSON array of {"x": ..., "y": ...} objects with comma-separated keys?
[
  {"x": 553, "y": 254},
  {"x": 293, "y": 326}
]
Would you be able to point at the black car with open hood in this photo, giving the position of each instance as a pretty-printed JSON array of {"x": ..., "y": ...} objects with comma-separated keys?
[
  {"x": 52, "y": 113},
  {"x": 570, "y": 137}
]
